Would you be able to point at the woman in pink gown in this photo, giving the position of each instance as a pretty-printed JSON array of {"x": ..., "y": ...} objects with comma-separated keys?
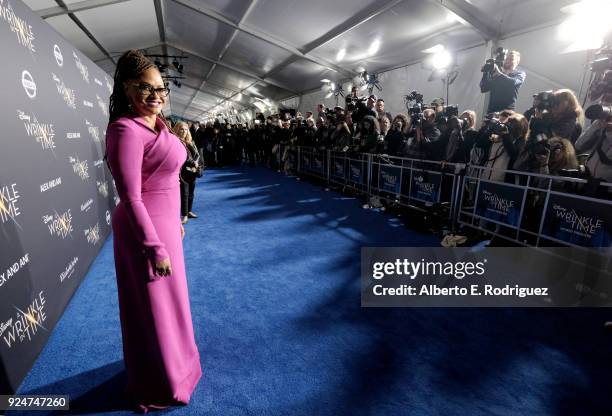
[{"x": 161, "y": 357}]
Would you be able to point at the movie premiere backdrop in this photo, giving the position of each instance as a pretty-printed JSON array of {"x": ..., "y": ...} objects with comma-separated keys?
[{"x": 56, "y": 193}]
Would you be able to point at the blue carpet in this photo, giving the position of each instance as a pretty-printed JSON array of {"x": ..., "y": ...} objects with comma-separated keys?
[{"x": 273, "y": 269}]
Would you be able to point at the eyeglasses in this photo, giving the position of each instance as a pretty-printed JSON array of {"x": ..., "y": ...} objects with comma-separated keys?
[{"x": 147, "y": 89}]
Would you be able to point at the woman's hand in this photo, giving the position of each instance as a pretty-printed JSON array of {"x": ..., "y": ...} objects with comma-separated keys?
[
  {"x": 182, "y": 232},
  {"x": 163, "y": 267}
]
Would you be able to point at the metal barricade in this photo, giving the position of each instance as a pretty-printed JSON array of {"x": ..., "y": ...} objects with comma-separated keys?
[
  {"x": 415, "y": 182},
  {"x": 534, "y": 209},
  {"x": 527, "y": 208}
]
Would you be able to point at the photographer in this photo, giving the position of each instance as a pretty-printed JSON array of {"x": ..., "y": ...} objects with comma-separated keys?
[
  {"x": 426, "y": 135},
  {"x": 320, "y": 135},
  {"x": 460, "y": 137},
  {"x": 597, "y": 141},
  {"x": 556, "y": 113},
  {"x": 341, "y": 137},
  {"x": 369, "y": 131},
  {"x": 499, "y": 143},
  {"x": 396, "y": 139},
  {"x": 307, "y": 137},
  {"x": 502, "y": 78},
  {"x": 380, "y": 110}
]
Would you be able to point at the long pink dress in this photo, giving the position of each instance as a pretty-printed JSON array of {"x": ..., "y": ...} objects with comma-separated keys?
[{"x": 160, "y": 353}]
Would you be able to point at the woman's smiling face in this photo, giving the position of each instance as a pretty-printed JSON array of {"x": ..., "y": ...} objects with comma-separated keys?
[{"x": 139, "y": 91}]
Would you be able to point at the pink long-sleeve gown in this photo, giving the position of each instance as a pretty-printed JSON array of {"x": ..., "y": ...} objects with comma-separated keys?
[{"x": 160, "y": 353}]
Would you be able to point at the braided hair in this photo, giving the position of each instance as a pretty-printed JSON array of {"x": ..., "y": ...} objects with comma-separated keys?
[{"x": 131, "y": 65}]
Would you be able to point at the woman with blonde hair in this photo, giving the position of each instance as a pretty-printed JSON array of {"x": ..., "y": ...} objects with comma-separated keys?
[{"x": 190, "y": 171}]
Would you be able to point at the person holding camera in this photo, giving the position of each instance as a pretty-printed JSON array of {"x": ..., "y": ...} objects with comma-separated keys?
[
  {"x": 369, "y": 132},
  {"x": 502, "y": 78},
  {"x": 499, "y": 143},
  {"x": 396, "y": 139},
  {"x": 191, "y": 170},
  {"x": 597, "y": 142},
  {"x": 556, "y": 113},
  {"x": 425, "y": 137},
  {"x": 341, "y": 138},
  {"x": 460, "y": 137}
]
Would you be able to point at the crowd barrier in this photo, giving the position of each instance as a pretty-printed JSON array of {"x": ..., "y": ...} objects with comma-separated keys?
[{"x": 526, "y": 208}]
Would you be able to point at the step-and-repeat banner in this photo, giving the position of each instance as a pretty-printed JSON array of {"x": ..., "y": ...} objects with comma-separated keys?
[{"x": 56, "y": 194}]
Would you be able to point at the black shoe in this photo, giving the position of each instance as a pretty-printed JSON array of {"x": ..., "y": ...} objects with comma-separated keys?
[{"x": 191, "y": 215}]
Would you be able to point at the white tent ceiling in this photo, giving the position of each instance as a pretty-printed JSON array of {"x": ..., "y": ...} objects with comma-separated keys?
[{"x": 276, "y": 49}]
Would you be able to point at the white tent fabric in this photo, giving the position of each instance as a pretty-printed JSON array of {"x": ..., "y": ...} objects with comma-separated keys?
[{"x": 242, "y": 52}]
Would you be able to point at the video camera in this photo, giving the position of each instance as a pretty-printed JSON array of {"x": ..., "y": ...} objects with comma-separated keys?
[
  {"x": 353, "y": 103},
  {"x": 499, "y": 58},
  {"x": 494, "y": 125},
  {"x": 598, "y": 112},
  {"x": 544, "y": 100},
  {"x": 415, "y": 110}
]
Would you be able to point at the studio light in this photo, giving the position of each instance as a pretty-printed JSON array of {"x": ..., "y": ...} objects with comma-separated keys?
[
  {"x": 441, "y": 60},
  {"x": 587, "y": 25}
]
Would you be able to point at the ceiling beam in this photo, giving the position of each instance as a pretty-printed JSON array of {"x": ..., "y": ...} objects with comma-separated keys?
[
  {"x": 471, "y": 15},
  {"x": 356, "y": 20},
  {"x": 263, "y": 36},
  {"x": 161, "y": 28},
  {"x": 246, "y": 13},
  {"x": 233, "y": 68},
  {"x": 75, "y": 7},
  {"x": 81, "y": 26}
]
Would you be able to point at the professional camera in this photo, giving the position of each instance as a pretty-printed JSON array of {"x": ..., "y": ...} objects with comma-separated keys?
[
  {"x": 414, "y": 96},
  {"x": 500, "y": 57},
  {"x": 415, "y": 110},
  {"x": 354, "y": 103},
  {"x": 494, "y": 125},
  {"x": 598, "y": 112},
  {"x": 545, "y": 100}
]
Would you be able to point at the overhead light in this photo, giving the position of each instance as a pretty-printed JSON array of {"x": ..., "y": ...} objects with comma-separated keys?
[
  {"x": 325, "y": 80},
  {"x": 441, "y": 59},
  {"x": 341, "y": 54},
  {"x": 374, "y": 47},
  {"x": 434, "y": 49}
]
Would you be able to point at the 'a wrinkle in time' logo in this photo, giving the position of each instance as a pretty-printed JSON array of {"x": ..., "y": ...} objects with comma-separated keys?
[
  {"x": 60, "y": 225},
  {"x": 497, "y": 203},
  {"x": 26, "y": 323},
  {"x": 93, "y": 234},
  {"x": 583, "y": 225},
  {"x": 94, "y": 131},
  {"x": 20, "y": 27},
  {"x": 9, "y": 207},
  {"x": 81, "y": 67},
  {"x": 80, "y": 167},
  {"x": 43, "y": 133},
  {"x": 423, "y": 186},
  {"x": 67, "y": 93},
  {"x": 102, "y": 188},
  {"x": 389, "y": 178},
  {"x": 109, "y": 86},
  {"x": 103, "y": 106}
]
